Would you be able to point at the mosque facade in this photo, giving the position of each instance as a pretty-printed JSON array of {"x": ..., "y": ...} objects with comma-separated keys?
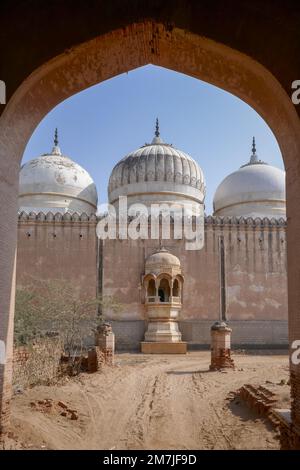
[{"x": 239, "y": 275}]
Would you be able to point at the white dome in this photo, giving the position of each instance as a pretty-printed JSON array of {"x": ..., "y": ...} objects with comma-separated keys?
[
  {"x": 54, "y": 182},
  {"x": 162, "y": 258},
  {"x": 255, "y": 190},
  {"x": 162, "y": 261},
  {"x": 157, "y": 173}
]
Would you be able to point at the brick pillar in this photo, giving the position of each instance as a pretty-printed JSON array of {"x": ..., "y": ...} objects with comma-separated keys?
[
  {"x": 105, "y": 340},
  {"x": 220, "y": 346},
  {"x": 95, "y": 360}
]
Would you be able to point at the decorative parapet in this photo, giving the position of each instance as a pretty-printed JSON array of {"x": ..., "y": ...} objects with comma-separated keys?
[
  {"x": 245, "y": 221},
  {"x": 57, "y": 217},
  {"x": 208, "y": 220}
]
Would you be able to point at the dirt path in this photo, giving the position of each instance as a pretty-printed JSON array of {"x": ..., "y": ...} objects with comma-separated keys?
[{"x": 152, "y": 402}]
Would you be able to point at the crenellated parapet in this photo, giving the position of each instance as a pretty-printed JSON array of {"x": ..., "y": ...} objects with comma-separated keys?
[
  {"x": 209, "y": 220},
  {"x": 57, "y": 217},
  {"x": 245, "y": 221}
]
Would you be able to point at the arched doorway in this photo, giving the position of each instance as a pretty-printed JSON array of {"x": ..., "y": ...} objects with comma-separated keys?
[{"x": 104, "y": 57}]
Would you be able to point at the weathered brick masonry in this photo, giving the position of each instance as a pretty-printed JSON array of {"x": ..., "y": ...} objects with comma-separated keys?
[{"x": 255, "y": 275}]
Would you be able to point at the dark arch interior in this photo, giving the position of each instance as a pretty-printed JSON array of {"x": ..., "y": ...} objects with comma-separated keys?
[
  {"x": 164, "y": 290},
  {"x": 176, "y": 288}
]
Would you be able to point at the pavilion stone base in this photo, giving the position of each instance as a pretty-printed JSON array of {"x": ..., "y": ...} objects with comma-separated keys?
[
  {"x": 163, "y": 336},
  {"x": 220, "y": 347},
  {"x": 164, "y": 348},
  {"x": 160, "y": 331}
]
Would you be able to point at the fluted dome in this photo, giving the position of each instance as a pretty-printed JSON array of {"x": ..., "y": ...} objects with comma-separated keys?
[
  {"x": 54, "y": 182},
  {"x": 255, "y": 190},
  {"x": 157, "y": 173}
]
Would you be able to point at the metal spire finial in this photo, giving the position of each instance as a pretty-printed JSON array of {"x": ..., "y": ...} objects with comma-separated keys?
[
  {"x": 157, "y": 133},
  {"x": 253, "y": 158},
  {"x": 56, "y": 138},
  {"x": 56, "y": 150},
  {"x": 253, "y": 146}
]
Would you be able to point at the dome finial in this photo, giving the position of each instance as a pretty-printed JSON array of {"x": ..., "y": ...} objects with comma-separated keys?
[
  {"x": 157, "y": 133},
  {"x": 253, "y": 158},
  {"x": 156, "y": 139},
  {"x": 56, "y": 137},
  {"x": 253, "y": 146},
  {"x": 56, "y": 150}
]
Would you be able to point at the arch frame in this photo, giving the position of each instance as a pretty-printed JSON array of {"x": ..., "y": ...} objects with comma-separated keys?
[{"x": 104, "y": 57}]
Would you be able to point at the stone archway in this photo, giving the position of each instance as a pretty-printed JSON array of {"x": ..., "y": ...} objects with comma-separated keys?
[{"x": 109, "y": 55}]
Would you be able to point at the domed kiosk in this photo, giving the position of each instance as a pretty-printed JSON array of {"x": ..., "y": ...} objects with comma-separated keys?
[
  {"x": 163, "y": 282},
  {"x": 54, "y": 182},
  {"x": 255, "y": 190},
  {"x": 157, "y": 173}
]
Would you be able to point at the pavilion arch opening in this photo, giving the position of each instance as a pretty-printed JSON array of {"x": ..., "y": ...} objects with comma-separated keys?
[
  {"x": 164, "y": 290},
  {"x": 176, "y": 289},
  {"x": 151, "y": 290}
]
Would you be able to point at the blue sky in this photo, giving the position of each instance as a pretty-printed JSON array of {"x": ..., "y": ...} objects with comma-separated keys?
[{"x": 100, "y": 125}]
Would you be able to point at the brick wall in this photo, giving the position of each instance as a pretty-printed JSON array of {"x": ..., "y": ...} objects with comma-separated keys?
[
  {"x": 52, "y": 248},
  {"x": 37, "y": 363},
  {"x": 255, "y": 272},
  {"x": 21, "y": 356},
  {"x": 255, "y": 275}
]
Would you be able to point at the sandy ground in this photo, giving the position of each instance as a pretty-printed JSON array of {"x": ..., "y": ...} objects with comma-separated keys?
[{"x": 153, "y": 402}]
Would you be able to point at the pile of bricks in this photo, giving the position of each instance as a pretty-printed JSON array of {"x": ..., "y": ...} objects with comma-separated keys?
[
  {"x": 261, "y": 400},
  {"x": 49, "y": 406}
]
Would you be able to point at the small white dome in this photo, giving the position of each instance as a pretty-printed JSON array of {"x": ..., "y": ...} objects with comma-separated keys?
[
  {"x": 162, "y": 261},
  {"x": 162, "y": 258},
  {"x": 157, "y": 173},
  {"x": 255, "y": 190},
  {"x": 54, "y": 182}
]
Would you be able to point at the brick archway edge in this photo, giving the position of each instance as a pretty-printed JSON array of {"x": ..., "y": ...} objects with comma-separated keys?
[{"x": 102, "y": 58}]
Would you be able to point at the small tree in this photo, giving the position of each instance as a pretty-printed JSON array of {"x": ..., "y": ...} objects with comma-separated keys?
[{"x": 54, "y": 307}]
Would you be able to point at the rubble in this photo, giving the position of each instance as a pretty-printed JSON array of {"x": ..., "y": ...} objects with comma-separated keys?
[
  {"x": 50, "y": 406},
  {"x": 260, "y": 399}
]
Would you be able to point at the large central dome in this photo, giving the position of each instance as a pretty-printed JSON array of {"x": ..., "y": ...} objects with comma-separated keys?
[{"x": 157, "y": 173}]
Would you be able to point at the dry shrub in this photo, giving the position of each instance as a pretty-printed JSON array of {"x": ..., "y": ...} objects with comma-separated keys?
[{"x": 54, "y": 307}]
